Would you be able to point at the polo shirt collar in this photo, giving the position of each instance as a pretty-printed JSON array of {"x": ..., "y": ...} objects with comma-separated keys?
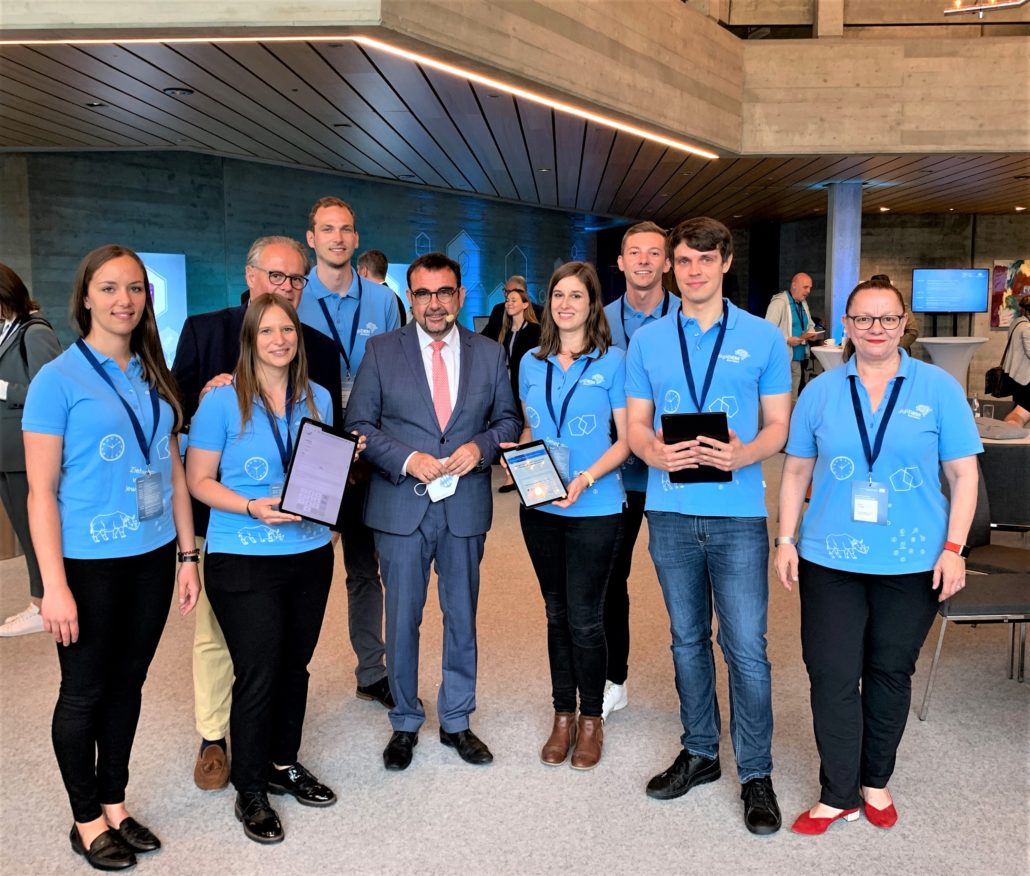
[{"x": 904, "y": 368}]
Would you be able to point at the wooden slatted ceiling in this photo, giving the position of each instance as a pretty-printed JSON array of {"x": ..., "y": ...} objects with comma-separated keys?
[{"x": 345, "y": 108}]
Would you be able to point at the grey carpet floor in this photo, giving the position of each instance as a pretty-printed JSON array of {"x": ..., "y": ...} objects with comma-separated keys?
[{"x": 962, "y": 784}]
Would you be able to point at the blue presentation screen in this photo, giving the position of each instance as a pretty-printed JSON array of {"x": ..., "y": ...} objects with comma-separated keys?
[
  {"x": 167, "y": 274},
  {"x": 951, "y": 290}
]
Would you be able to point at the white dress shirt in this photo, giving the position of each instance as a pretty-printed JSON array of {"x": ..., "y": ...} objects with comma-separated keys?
[{"x": 451, "y": 353}]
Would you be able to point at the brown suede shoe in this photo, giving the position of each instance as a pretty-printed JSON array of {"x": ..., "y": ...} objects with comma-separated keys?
[
  {"x": 211, "y": 772},
  {"x": 587, "y": 754},
  {"x": 562, "y": 738}
]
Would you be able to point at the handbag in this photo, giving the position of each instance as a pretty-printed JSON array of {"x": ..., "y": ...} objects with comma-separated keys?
[{"x": 996, "y": 382}]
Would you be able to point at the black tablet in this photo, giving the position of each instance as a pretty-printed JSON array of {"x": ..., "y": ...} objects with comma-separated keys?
[
  {"x": 317, "y": 476},
  {"x": 687, "y": 427},
  {"x": 534, "y": 473}
]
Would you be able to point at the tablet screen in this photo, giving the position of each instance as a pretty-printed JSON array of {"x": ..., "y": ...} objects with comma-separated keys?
[
  {"x": 534, "y": 474},
  {"x": 318, "y": 472}
]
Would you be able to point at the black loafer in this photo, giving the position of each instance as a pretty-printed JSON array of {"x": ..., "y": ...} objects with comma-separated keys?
[
  {"x": 761, "y": 811},
  {"x": 688, "y": 771},
  {"x": 296, "y": 780},
  {"x": 378, "y": 691},
  {"x": 136, "y": 836},
  {"x": 260, "y": 821},
  {"x": 470, "y": 747},
  {"x": 398, "y": 751},
  {"x": 106, "y": 852},
  {"x": 507, "y": 488}
]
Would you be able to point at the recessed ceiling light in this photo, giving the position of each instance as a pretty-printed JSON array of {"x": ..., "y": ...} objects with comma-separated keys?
[
  {"x": 1020, "y": 209},
  {"x": 885, "y": 209},
  {"x": 738, "y": 215},
  {"x": 493, "y": 94},
  {"x": 1022, "y": 176},
  {"x": 406, "y": 176},
  {"x": 95, "y": 103},
  {"x": 342, "y": 125},
  {"x": 178, "y": 91},
  {"x": 951, "y": 209},
  {"x": 543, "y": 170}
]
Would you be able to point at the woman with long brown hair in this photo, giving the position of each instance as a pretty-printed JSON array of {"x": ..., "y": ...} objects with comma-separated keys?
[{"x": 520, "y": 332}]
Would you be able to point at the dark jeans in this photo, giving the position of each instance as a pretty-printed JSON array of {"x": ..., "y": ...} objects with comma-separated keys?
[
  {"x": 270, "y": 610},
  {"x": 122, "y": 606},
  {"x": 616, "y": 599},
  {"x": 14, "y": 494},
  {"x": 861, "y": 629},
  {"x": 573, "y": 558}
]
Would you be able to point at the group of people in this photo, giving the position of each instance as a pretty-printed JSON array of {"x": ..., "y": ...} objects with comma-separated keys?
[{"x": 433, "y": 405}]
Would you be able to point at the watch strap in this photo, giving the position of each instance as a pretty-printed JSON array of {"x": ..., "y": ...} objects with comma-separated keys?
[{"x": 960, "y": 549}]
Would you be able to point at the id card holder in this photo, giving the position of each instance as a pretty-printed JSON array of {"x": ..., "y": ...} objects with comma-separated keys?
[
  {"x": 149, "y": 496},
  {"x": 869, "y": 503},
  {"x": 275, "y": 490},
  {"x": 346, "y": 387},
  {"x": 562, "y": 457}
]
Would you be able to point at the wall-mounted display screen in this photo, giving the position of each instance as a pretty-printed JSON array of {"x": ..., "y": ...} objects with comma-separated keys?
[{"x": 950, "y": 290}]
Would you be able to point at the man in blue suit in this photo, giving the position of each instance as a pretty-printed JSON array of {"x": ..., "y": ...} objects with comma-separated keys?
[{"x": 434, "y": 401}]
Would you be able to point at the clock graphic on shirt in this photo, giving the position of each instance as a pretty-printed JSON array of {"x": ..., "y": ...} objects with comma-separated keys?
[
  {"x": 256, "y": 467},
  {"x": 841, "y": 467},
  {"x": 111, "y": 447},
  {"x": 672, "y": 402}
]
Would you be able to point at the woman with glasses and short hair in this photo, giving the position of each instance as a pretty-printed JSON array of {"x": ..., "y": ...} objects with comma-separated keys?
[{"x": 880, "y": 546}]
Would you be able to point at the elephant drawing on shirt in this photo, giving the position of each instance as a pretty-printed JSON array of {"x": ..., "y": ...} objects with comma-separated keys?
[
  {"x": 255, "y": 534},
  {"x": 840, "y": 545},
  {"x": 104, "y": 527}
]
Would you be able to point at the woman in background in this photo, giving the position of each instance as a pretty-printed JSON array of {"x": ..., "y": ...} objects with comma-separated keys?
[
  {"x": 520, "y": 332},
  {"x": 1016, "y": 365}
]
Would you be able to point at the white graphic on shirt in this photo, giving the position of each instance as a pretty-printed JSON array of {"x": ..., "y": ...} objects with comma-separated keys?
[
  {"x": 841, "y": 546},
  {"x": 908, "y": 545},
  {"x": 916, "y": 413},
  {"x": 368, "y": 330},
  {"x": 254, "y": 534},
  {"x": 532, "y": 417},
  {"x": 256, "y": 467},
  {"x": 727, "y": 403},
  {"x": 842, "y": 467},
  {"x": 580, "y": 426},
  {"x": 668, "y": 485},
  {"x": 104, "y": 527},
  {"x": 672, "y": 402},
  {"x": 592, "y": 380},
  {"x": 162, "y": 448},
  {"x": 737, "y": 356},
  {"x": 906, "y": 479},
  {"x": 112, "y": 447}
]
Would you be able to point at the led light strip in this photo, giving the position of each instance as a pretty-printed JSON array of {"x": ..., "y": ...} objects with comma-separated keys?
[
  {"x": 424, "y": 60},
  {"x": 959, "y": 9}
]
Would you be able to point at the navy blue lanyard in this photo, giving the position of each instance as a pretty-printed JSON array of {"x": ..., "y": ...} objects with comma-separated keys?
[
  {"x": 353, "y": 327},
  {"x": 285, "y": 451},
  {"x": 872, "y": 454},
  {"x": 144, "y": 445},
  {"x": 622, "y": 313},
  {"x": 565, "y": 404},
  {"x": 699, "y": 404},
  {"x": 799, "y": 310}
]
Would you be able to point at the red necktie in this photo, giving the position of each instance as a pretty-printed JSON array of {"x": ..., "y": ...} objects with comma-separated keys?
[{"x": 441, "y": 387}]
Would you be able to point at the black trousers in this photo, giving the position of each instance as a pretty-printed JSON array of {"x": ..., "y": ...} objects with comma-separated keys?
[
  {"x": 860, "y": 638},
  {"x": 122, "y": 606},
  {"x": 573, "y": 558},
  {"x": 270, "y": 609},
  {"x": 616, "y": 598},
  {"x": 14, "y": 494}
]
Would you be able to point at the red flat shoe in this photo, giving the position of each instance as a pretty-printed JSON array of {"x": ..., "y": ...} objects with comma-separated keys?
[
  {"x": 810, "y": 826},
  {"x": 884, "y": 818}
]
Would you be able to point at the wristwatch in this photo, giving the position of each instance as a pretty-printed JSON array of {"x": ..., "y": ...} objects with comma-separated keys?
[
  {"x": 784, "y": 539},
  {"x": 961, "y": 549}
]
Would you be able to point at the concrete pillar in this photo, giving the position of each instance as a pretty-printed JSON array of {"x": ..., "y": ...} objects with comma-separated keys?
[
  {"x": 843, "y": 248},
  {"x": 829, "y": 18}
]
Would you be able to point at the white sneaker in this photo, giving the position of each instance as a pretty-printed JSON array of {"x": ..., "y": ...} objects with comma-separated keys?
[
  {"x": 23, "y": 623},
  {"x": 614, "y": 698}
]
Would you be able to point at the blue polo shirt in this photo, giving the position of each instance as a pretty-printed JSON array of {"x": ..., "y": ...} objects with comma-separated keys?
[
  {"x": 599, "y": 384},
  {"x": 624, "y": 322},
  {"x": 100, "y": 456},
  {"x": 375, "y": 306},
  {"x": 754, "y": 362},
  {"x": 251, "y": 466},
  {"x": 931, "y": 423}
]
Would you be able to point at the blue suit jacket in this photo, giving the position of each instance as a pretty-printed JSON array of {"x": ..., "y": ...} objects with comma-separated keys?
[{"x": 392, "y": 405}]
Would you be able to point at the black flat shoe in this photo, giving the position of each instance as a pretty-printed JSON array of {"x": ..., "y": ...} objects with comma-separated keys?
[
  {"x": 136, "y": 836},
  {"x": 761, "y": 811},
  {"x": 106, "y": 852},
  {"x": 260, "y": 821},
  {"x": 688, "y": 771},
  {"x": 470, "y": 747},
  {"x": 506, "y": 488},
  {"x": 296, "y": 780},
  {"x": 398, "y": 752},
  {"x": 378, "y": 691}
]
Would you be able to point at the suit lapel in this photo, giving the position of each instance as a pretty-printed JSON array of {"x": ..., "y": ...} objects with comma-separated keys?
[
  {"x": 464, "y": 373},
  {"x": 413, "y": 353}
]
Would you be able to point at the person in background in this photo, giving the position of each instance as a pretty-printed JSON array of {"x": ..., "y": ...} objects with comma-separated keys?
[
  {"x": 880, "y": 546},
  {"x": 1016, "y": 365},
  {"x": 373, "y": 265},
  {"x": 911, "y": 333},
  {"x": 492, "y": 329},
  {"x": 27, "y": 343},
  {"x": 107, "y": 505},
  {"x": 572, "y": 391},
  {"x": 789, "y": 312},
  {"x": 520, "y": 332}
]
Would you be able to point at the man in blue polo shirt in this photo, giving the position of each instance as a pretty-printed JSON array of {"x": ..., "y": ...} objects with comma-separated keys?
[
  {"x": 709, "y": 541},
  {"x": 643, "y": 260},
  {"x": 349, "y": 311}
]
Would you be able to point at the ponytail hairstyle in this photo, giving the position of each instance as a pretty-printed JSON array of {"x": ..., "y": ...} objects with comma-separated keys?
[{"x": 877, "y": 281}]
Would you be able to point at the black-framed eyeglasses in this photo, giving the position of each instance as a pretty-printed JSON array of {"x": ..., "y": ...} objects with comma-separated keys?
[
  {"x": 277, "y": 278},
  {"x": 443, "y": 295},
  {"x": 888, "y": 321}
]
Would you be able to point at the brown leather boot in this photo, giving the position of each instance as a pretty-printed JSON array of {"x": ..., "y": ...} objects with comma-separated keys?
[
  {"x": 562, "y": 738},
  {"x": 588, "y": 745}
]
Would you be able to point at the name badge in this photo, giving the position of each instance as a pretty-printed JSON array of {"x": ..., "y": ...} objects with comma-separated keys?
[
  {"x": 149, "y": 496},
  {"x": 869, "y": 503},
  {"x": 562, "y": 457},
  {"x": 346, "y": 389},
  {"x": 275, "y": 490}
]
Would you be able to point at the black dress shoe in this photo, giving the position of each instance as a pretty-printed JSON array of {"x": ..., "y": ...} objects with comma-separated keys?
[
  {"x": 378, "y": 691},
  {"x": 470, "y": 747},
  {"x": 761, "y": 811},
  {"x": 506, "y": 488},
  {"x": 296, "y": 780},
  {"x": 397, "y": 755},
  {"x": 136, "y": 836},
  {"x": 688, "y": 770},
  {"x": 106, "y": 852},
  {"x": 260, "y": 821}
]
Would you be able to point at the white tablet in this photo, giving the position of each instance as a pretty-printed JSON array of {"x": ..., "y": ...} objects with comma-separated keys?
[{"x": 318, "y": 472}]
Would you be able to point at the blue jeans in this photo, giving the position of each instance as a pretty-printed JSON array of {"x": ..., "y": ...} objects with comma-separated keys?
[{"x": 701, "y": 560}]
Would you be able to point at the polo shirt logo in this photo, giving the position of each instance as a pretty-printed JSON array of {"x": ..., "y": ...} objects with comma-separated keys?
[
  {"x": 584, "y": 425},
  {"x": 916, "y": 413},
  {"x": 368, "y": 330},
  {"x": 737, "y": 356},
  {"x": 672, "y": 402},
  {"x": 256, "y": 468},
  {"x": 592, "y": 380},
  {"x": 906, "y": 479},
  {"x": 111, "y": 447}
]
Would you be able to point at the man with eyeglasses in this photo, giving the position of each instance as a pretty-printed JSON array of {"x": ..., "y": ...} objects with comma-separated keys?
[
  {"x": 208, "y": 349},
  {"x": 435, "y": 402},
  {"x": 789, "y": 312}
]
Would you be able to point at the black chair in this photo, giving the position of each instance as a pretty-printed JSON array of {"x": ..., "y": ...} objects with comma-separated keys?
[{"x": 985, "y": 557}]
